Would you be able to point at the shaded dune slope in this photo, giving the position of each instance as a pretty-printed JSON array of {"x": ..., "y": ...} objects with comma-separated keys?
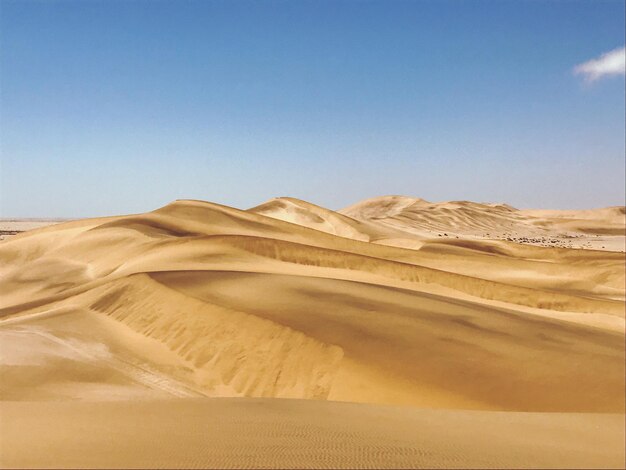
[
  {"x": 257, "y": 305},
  {"x": 195, "y": 235}
]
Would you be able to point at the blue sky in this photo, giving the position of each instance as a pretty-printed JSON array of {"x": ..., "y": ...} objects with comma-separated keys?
[{"x": 122, "y": 106}]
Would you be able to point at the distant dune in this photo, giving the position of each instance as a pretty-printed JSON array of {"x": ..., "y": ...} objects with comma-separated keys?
[
  {"x": 570, "y": 229},
  {"x": 417, "y": 311}
]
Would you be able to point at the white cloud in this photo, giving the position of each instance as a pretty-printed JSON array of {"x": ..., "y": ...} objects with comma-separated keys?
[{"x": 608, "y": 64}]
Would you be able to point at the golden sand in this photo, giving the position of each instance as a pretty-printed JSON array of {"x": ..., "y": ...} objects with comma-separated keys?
[{"x": 394, "y": 333}]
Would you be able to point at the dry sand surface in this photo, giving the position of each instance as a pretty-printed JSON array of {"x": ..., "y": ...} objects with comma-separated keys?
[
  {"x": 261, "y": 432},
  {"x": 394, "y": 333}
]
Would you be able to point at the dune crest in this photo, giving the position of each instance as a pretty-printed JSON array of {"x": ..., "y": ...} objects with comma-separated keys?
[
  {"x": 394, "y": 301},
  {"x": 233, "y": 353}
]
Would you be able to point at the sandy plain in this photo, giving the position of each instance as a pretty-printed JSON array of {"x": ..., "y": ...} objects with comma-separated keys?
[
  {"x": 393, "y": 333},
  {"x": 11, "y": 227}
]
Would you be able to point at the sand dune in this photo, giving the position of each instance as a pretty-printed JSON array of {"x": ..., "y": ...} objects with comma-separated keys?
[
  {"x": 393, "y": 301},
  {"x": 599, "y": 229},
  {"x": 318, "y": 218}
]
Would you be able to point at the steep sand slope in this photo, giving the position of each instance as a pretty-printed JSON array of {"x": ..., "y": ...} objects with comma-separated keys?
[
  {"x": 454, "y": 353},
  {"x": 272, "y": 335},
  {"x": 443, "y": 293},
  {"x": 201, "y": 300}
]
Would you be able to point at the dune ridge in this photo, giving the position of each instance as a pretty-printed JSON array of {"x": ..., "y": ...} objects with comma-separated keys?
[
  {"x": 153, "y": 242},
  {"x": 394, "y": 301},
  {"x": 566, "y": 228},
  {"x": 241, "y": 353}
]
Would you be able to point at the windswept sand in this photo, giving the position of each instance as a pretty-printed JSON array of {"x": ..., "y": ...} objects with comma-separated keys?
[{"x": 404, "y": 333}]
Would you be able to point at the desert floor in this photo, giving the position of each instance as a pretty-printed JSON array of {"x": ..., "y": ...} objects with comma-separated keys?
[
  {"x": 394, "y": 333},
  {"x": 12, "y": 227}
]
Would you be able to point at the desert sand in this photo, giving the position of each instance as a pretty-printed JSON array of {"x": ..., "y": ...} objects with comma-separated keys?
[{"x": 393, "y": 333}]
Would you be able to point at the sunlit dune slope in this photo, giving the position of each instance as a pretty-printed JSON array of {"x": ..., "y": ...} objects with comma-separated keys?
[
  {"x": 318, "y": 218},
  {"x": 197, "y": 235},
  {"x": 289, "y": 305}
]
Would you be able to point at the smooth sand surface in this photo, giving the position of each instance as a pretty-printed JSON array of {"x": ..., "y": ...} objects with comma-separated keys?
[
  {"x": 269, "y": 433},
  {"x": 172, "y": 338}
]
